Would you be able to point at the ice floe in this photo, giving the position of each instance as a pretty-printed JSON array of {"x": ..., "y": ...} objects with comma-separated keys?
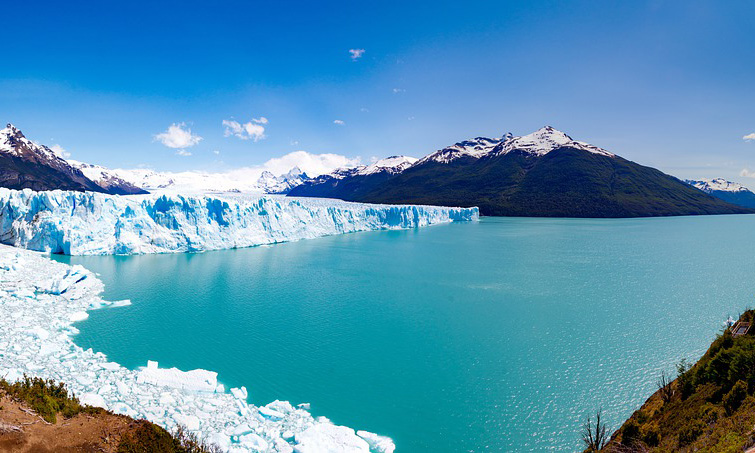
[
  {"x": 39, "y": 301},
  {"x": 87, "y": 223}
]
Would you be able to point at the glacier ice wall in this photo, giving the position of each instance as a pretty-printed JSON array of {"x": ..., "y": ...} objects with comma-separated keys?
[
  {"x": 86, "y": 223},
  {"x": 40, "y": 299}
]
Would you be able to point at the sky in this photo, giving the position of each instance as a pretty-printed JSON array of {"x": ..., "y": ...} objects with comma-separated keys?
[{"x": 215, "y": 86}]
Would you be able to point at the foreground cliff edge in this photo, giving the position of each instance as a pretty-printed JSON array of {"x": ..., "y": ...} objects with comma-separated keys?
[{"x": 710, "y": 406}]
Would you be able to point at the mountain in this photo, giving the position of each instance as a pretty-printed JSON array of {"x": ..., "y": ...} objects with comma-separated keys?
[
  {"x": 282, "y": 184},
  {"x": 543, "y": 174},
  {"x": 107, "y": 179},
  {"x": 725, "y": 190},
  {"x": 353, "y": 183},
  {"x": 27, "y": 165}
]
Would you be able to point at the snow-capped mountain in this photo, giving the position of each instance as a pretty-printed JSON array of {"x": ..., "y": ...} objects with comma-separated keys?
[
  {"x": 391, "y": 165},
  {"x": 543, "y": 141},
  {"x": 107, "y": 179},
  {"x": 269, "y": 183},
  {"x": 347, "y": 183},
  {"x": 475, "y": 148},
  {"x": 716, "y": 184},
  {"x": 25, "y": 164},
  {"x": 726, "y": 190},
  {"x": 545, "y": 173}
]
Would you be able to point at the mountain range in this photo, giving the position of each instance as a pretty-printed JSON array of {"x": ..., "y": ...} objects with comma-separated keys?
[
  {"x": 545, "y": 173},
  {"x": 725, "y": 190},
  {"x": 28, "y": 165}
]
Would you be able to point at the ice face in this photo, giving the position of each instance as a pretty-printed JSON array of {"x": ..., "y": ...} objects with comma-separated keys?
[
  {"x": 85, "y": 223},
  {"x": 39, "y": 301}
]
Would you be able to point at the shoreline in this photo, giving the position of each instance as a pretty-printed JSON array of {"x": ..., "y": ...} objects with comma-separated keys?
[{"x": 41, "y": 299}]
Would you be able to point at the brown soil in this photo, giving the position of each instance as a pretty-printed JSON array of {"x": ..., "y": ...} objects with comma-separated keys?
[{"x": 22, "y": 430}]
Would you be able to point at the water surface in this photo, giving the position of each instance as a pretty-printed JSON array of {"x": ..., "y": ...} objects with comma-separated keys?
[{"x": 499, "y": 335}]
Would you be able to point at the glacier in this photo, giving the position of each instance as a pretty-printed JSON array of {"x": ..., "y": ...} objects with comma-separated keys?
[
  {"x": 87, "y": 223},
  {"x": 40, "y": 299}
]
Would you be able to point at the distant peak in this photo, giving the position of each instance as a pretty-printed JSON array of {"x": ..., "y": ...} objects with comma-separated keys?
[{"x": 12, "y": 130}]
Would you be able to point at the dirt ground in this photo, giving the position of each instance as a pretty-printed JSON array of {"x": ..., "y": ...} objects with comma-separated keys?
[{"x": 22, "y": 430}]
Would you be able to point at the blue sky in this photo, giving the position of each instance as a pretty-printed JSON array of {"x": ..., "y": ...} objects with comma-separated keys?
[{"x": 666, "y": 84}]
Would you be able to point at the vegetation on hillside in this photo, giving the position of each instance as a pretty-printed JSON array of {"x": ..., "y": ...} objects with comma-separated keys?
[
  {"x": 709, "y": 406},
  {"x": 50, "y": 400}
]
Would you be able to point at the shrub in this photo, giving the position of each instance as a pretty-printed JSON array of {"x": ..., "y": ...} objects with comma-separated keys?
[
  {"x": 690, "y": 432},
  {"x": 631, "y": 433},
  {"x": 46, "y": 398},
  {"x": 651, "y": 436},
  {"x": 734, "y": 398}
]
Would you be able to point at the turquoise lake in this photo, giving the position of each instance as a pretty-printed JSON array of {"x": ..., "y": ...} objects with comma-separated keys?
[{"x": 498, "y": 335}]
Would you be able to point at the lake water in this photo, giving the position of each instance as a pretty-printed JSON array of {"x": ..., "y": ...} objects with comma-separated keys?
[{"x": 499, "y": 335}]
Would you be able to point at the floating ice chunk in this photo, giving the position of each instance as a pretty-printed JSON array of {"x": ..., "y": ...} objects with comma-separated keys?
[
  {"x": 191, "y": 422},
  {"x": 327, "y": 438},
  {"x": 78, "y": 316},
  {"x": 240, "y": 393},
  {"x": 121, "y": 303},
  {"x": 195, "y": 380},
  {"x": 378, "y": 444},
  {"x": 40, "y": 333},
  {"x": 254, "y": 442},
  {"x": 93, "y": 399},
  {"x": 270, "y": 414}
]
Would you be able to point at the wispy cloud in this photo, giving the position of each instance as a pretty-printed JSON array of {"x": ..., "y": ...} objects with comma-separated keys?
[
  {"x": 253, "y": 130},
  {"x": 749, "y": 137},
  {"x": 60, "y": 151},
  {"x": 356, "y": 54},
  {"x": 339, "y": 122},
  {"x": 398, "y": 90},
  {"x": 178, "y": 136},
  {"x": 747, "y": 173},
  {"x": 183, "y": 152}
]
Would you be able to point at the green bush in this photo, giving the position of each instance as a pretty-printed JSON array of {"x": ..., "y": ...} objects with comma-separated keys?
[
  {"x": 46, "y": 398},
  {"x": 734, "y": 398},
  {"x": 690, "y": 432}
]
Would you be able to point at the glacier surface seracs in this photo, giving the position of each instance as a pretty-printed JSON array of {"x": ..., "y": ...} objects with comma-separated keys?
[
  {"x": 39, "y": 301},
  {"x": 87, "y": 223}
]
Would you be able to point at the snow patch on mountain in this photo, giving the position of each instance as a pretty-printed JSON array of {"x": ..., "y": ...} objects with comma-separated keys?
[
  {"x": 717, "y": 184},
  {"x": 393, "y": 164},
  {"x": 543, "y": 141},
  {"x": 476, "y": 148},
  {"x": 88, "y": 223}
]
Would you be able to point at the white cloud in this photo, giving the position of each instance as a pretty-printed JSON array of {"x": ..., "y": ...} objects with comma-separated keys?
[
  {"x": 183, "y": 152},
  {"x": 356, "y": 53},
  {"x": 60, "y": 151},
  {"x": 338, "y": 122},
  {"x": 311, "y": 164},
  {"x": 749, "y": 137},
  {"x": 398, "y": 90},
  {"x": 747, "y": 173},
  {"x": 216, "y": 152},
  {"x": 253, "y": 130},
  {"x": 178, "y": 136}
]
